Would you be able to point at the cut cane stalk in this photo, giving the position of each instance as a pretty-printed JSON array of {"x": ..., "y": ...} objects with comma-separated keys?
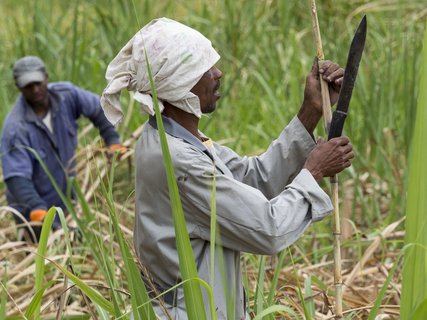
[{"x": 327, "y": 118}]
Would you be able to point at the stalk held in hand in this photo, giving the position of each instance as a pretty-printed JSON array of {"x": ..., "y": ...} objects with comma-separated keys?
[{"x": 350, "y": 73}]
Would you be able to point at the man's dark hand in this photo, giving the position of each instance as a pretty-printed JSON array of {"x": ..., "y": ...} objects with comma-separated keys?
[
  {"x": 332, "y": 74},
  {"x": 311, "y": 108},
  {"x": 329, "y": 158}
]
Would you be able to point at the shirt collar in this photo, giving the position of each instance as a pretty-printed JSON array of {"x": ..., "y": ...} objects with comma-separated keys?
[
  {"x": 174, "y": 129},
  {"x": 30, "y": 116}
]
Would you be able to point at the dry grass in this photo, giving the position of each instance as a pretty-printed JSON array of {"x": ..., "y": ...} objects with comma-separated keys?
[{"x": 363, "y": 280}]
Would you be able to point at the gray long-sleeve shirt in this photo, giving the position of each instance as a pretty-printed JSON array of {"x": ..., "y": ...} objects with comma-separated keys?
[{"x": 263, "y": 204}]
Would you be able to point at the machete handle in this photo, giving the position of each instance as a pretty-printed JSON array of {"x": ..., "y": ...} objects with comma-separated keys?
[{"x": 337, "y": 124}]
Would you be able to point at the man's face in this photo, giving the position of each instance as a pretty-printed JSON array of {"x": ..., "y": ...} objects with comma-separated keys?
[
  {"x": 207, "y": 89},
  {"x": 36, "y": 93}
]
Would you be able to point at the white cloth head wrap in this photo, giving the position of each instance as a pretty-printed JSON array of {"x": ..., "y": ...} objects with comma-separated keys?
[{"x": 178, "y": 56}]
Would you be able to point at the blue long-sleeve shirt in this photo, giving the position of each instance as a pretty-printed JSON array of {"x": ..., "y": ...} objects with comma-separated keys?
[{"x": 22, "y": 130}]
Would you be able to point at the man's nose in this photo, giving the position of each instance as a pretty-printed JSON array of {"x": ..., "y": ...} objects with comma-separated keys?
[
  {"x": 35, "y": 87},
  {"x": 217, "y": 73}
]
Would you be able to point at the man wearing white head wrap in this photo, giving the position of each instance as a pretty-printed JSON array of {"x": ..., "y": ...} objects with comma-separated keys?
[
  {"x": 176, "y": 69},
  {"x": 263, "y": 203}
]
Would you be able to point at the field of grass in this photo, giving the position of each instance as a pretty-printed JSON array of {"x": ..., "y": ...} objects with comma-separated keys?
[{"x": 267, "y": 48}]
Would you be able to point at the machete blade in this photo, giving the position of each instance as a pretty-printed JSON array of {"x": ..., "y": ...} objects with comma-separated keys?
[{"x": 350, "y": 73}]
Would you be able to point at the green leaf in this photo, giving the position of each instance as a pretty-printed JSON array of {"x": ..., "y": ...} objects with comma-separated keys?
[
  {"x": 274, "y": 309},
  {"x": 3, "y": 296},
  {"x": 309, "y": 293},
  {"x": 213, "y": 232},
  {"x": 421, "y": 312},
  {"x": 277, "y": 271},
  {"x": 34, "y": 307},
  {"x": 103, "y": 315},
  {"x": 273, "y": 285},
  {"x": 41, "y": 253},
  {"x": 141, "y": 305},
  {"x": 259, "y": 293},
  {"x": 192, "y": 292},
  {"x": 381, "y": 294},
  {"x": 98, "y": 248},
  {"x": 319, "y": 283},
  {"x": 299, "y": 291},
  {"x": 94, "y": 295},
  {"x": 414, "y": 284}
]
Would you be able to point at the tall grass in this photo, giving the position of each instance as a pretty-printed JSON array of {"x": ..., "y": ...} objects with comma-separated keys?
[
  {"x": 414, "y": 293},
  {"x": 267, "y": 49}
]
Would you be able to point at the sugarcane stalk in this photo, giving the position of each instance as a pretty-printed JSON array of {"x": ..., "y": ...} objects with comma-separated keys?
[
  {"x": 327, "y": 118},
  {"x": 337, "y": 248},
  {"x": 326, "y": 101}
]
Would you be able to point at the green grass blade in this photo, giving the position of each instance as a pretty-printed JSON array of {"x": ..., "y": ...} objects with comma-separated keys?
[
  {"x": 41, "y": 253},
  {"x": 103, "y": 315},
  {"x": 259, "y": 293},
  {"x": 3, "y": 296},
  {"x": 301, "y": 296},
  {"x": 275, "y": 280},
  {"x": 98, "y": 248},
  {"x": 65, "y": 317},
  {"x": 192, "y": 292},
  {"x": 64, "y": 226},
  {"x": 274, "y": 309},
  {"x": 94, "y": 295},
  {"x": 34, "y": 307},
  {"x": 308, "y": 292},
  {"x": 171, "y": 289},
  {"x": 323, "y": 286},
  {"x": 141, "y": 305},
  {"x": 378, "y": 300},
  {"x": 421, "y": 312},
  {"x": 213, "y": 239},
  {"x": 213, "y": 230},
  {"x": 139, "y": 295},
  {"x": 229, "y": 296},
  {"x": 414, "y": 284}
]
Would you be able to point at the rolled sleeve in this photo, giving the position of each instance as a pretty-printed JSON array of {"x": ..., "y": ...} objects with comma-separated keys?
[{"x": 320, "y": 202}]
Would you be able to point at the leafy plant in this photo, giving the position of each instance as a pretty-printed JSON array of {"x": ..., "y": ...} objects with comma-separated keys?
[{"x": 414, "y": 285}]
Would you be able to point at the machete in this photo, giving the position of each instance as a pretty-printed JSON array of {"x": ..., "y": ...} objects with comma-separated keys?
[{"x": 350, "y": 73}]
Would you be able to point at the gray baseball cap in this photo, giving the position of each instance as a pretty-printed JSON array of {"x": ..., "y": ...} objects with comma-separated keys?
[{"x": 28, "y": 69}]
